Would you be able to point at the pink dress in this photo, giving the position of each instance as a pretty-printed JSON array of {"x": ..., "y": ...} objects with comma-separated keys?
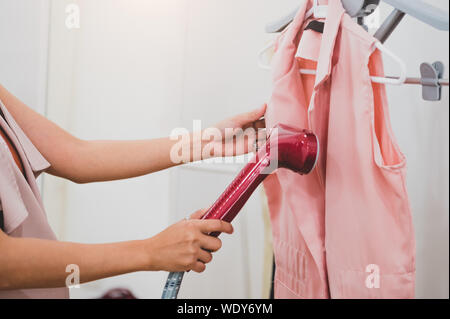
[
  {"x": 20, "y": 200},
  {"x": 345, "y": 230}
]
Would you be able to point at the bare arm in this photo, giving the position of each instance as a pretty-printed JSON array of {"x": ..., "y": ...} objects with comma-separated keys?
[
  {"x": 34, "y": 263},
  {"x": 92, "y": 161}
]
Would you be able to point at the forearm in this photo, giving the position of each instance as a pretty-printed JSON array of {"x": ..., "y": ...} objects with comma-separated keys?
[
  {"x": 114, "y": 160},
  {"x": 33, "y": 263},
  {"x": 88, "y": 161},
  {"x": 96, "y": 161}
]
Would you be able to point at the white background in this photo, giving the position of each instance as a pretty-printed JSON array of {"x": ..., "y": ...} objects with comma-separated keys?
[{"x": 137, "y": 69}]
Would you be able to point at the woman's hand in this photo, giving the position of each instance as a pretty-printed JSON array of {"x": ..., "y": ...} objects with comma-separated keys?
[
  {"x": 186, "y": 245},
  {"x": 27, "y": 263},
  {"x": 238, "y": 134}
]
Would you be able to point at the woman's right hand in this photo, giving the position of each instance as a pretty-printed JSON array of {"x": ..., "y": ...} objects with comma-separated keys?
[{"x": 186, "y": 245}]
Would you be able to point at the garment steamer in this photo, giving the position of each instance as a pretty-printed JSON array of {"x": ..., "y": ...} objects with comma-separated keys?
[{"x": 286, "y": 147}]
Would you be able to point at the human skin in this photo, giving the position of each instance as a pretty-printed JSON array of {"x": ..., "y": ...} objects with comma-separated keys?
[{"x": 184, "y": 246}]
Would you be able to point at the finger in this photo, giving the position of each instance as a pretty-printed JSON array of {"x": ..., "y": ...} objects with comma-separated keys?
[
  {"x": 216, "y": 225},
  {"x": 199, "y": 267},
  {"x": 256, "y": 114},
  {"x": 198, "y": 214},
  {"x": 210, "y": 243},
  {"x": 205, "y": 256},
  {"x": 262, "y": 110},
  {"x": 256, "y": 125},
  {"x": 260, "y": 124}
]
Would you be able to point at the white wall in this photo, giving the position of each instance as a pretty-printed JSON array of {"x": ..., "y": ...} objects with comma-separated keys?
[
  {"x": 136, "y": 69},
  {"x": 422, "y": 131},
  {"x": 221, "y": 79},
  {"x": 23, "y": 49},
  {"x": 24, "y": 30},
  {"x": 117, "y": 77}
]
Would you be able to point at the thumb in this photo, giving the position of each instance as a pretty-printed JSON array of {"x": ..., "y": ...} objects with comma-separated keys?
[{"x": 256, "y": 114}]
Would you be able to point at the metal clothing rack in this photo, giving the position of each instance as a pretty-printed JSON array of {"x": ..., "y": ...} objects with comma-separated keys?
[{"x": 431, "y": 74}]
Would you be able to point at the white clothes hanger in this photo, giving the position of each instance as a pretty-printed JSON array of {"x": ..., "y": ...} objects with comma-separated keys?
[
  {"x": 376, "y": 79},
  {"x": 320, "y": 12}
]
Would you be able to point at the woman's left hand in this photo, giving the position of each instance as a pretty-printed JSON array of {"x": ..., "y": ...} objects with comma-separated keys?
[{"x": 239, "y": 134}]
